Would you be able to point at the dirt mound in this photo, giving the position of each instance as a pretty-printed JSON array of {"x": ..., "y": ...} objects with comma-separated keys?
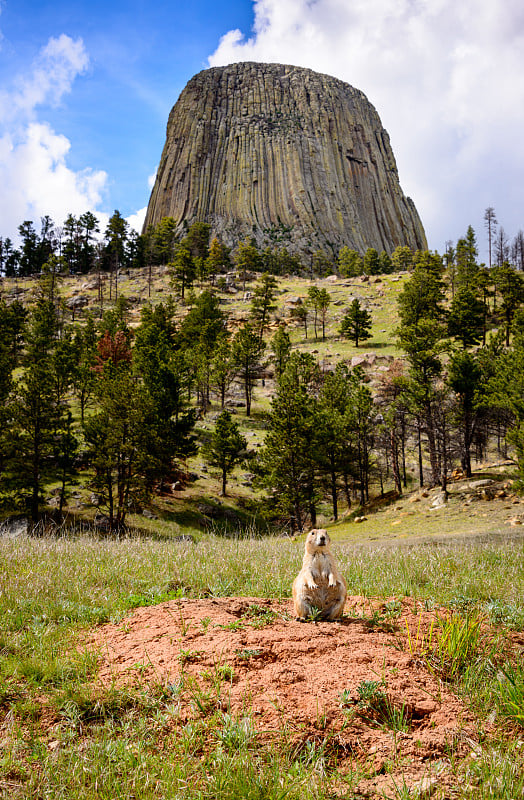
[{"x": 355, "y": 685}]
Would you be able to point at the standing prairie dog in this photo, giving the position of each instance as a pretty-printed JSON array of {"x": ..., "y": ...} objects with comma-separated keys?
[{"x": 319, "y": 584}]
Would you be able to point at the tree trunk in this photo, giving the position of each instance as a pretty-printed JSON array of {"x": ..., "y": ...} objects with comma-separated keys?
[{"x": 334, "y": 487}]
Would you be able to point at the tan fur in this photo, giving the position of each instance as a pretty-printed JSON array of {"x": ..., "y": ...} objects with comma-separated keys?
[{"x": 319, "y": 584}]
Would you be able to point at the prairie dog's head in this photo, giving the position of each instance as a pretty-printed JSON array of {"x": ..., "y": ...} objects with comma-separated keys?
[{"x": 317, "y": 540}]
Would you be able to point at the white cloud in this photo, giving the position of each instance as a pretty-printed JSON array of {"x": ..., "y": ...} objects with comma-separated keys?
[
  {"x": 136, "y": 221},
  {"x": 34, "y": 175},
  {"x": 447, "y": 79}
]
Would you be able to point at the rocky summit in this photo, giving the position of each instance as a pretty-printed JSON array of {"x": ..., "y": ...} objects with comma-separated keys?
[{"x": 284, "y": 155}]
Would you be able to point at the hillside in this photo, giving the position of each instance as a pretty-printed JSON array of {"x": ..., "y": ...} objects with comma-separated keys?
[{"x": 193, "y": 505}]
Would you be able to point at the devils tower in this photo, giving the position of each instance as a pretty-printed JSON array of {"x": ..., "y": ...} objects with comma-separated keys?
[{"x": 281, "y": 153}]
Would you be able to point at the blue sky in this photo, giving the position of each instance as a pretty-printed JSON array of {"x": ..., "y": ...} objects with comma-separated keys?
[{"x": 86, "y": 89}]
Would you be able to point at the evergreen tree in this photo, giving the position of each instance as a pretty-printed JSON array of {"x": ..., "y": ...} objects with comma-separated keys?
[
  {"x": 88, "y": 226},
  {"x": 226, "y": 447},
  {"x": 281, "y": 346},
  {"x": 313, "y": 302},
  {"x": 350, "y": 262},
  {"x": 263, "y": 302},
  {"x": 464, "y": 377},
  {"x": 322, "y": 264},
  {"x": 324, "y": 301},
  {"x": 247, "y": 353},
  {"x": 196, "y": 240},
  {"x": 424, "y": 343},
  {"x": 333, "y": 431},
  {"x": 402, "y": 259},
  {"x": 385, "y": 263},
  {"x": 356, "y": 324},
  {"x": 183, "y": 267},
  {"x": 466, "y": 318},
  {"x": 360, "y": 423},
  {"x": 165, "y": 375},
  {"x": 122, "y": 441},
  {"x": 466, "y": 261},
  {"x": 422, "y": 296},
  {"x": 9, "y": 258},
  {"x": 247, "y": 259},
  {"x": 288, "y": 461},
  {"x": 371, "y": 262},
  {"x": 510, "y": 285},
  {"x": 218, "y": 259},
  {"x": 490, "y": 221},
  {"x": 34, "y": 410},
  {"x": 223, "y": 368},
  {"x": 162, "y": 241},
  {"x": 85, "y": 348},
  {"x": 29, "y": 263}
]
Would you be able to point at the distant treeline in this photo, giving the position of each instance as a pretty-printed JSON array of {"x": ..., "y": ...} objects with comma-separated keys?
[{"x": 79, "y": 247}]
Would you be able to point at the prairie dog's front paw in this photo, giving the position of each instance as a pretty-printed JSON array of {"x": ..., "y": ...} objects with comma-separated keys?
[
  {"x": 311, "y": 584},
  {"x": 332, "y": 581}
]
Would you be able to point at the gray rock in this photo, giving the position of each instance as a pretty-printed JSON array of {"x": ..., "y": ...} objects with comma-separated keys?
[{"x": 249, "y": 143}]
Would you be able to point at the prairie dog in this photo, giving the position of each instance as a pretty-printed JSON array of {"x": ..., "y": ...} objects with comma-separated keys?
[{"x": 319, "y": 584}]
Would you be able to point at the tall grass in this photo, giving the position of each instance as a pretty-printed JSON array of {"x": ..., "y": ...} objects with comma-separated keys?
[{"x": 85, "y": 580}]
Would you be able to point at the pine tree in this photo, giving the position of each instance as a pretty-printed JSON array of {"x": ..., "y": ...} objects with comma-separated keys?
[
  {"x": 356, "y": 324},
  {"x": 334, "y": 446},
  {"x": 226, "y": 447},
  {"x": 263, "y": 302},
  {"x": 288, "y": 460},
  {"x": 464, "y": 377},
  {"x": 510, "y": 285},
  {"x": 281, "y": 346},
  {"x": 223, "y": 368},
  {"x": 466, "y": 318},
  {"x": 247, "y": 350},
  {"x": 371, "y": 262},
  {"x": 183, "y": 269},
  {"x": 35, "y": 411},
  {"x": 350, "y": 262}
]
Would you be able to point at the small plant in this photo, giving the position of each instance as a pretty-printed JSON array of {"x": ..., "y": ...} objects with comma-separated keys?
[
  {"x": 205, "y": 622},
  {"x": 260, "y": 617},
  {"x": 226, "y": 672},
  {"x": 184, "y": 626},
  {"x": 315, "y": 614},
  {"x": 245, "y": 655},
  {"x": 510, "y": 692},
  {"x": 235, "y": 625},
  {"x": 370, "y": 693},
  {"x": 420, "y": 643},
  {"x": 374, "y": 699},
  {"x": 459, "y": 644},
  {"x": 189, "y": 656},
  {"x": 345, "y": 698},
  {"x": 392, "y": 609},
  {"x": 236, "y": 734}
]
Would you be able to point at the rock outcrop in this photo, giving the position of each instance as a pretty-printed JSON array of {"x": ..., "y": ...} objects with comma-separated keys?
[{"x": 286, "y": 155}]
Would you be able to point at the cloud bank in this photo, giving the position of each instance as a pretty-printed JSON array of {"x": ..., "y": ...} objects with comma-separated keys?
[
  {"x": 34, "y": 175},
  {"x": 446, "y": 78}
]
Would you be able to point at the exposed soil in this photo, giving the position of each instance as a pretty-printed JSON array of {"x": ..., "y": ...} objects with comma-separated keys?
[{"x": 290, "y": 674}]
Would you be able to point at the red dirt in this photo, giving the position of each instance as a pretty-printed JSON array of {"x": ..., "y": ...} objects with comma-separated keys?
[{"x": 289, "y": 673}]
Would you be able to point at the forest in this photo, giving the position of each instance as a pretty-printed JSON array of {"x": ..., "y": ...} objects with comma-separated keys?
[{"x": 87, "y": 398}]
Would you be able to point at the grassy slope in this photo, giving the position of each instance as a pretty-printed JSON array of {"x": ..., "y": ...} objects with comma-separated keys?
[{"x": 179, "y": 513}]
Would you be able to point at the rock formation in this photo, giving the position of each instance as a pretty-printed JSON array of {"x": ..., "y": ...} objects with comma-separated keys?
[{"x": 286, "y": 155}]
